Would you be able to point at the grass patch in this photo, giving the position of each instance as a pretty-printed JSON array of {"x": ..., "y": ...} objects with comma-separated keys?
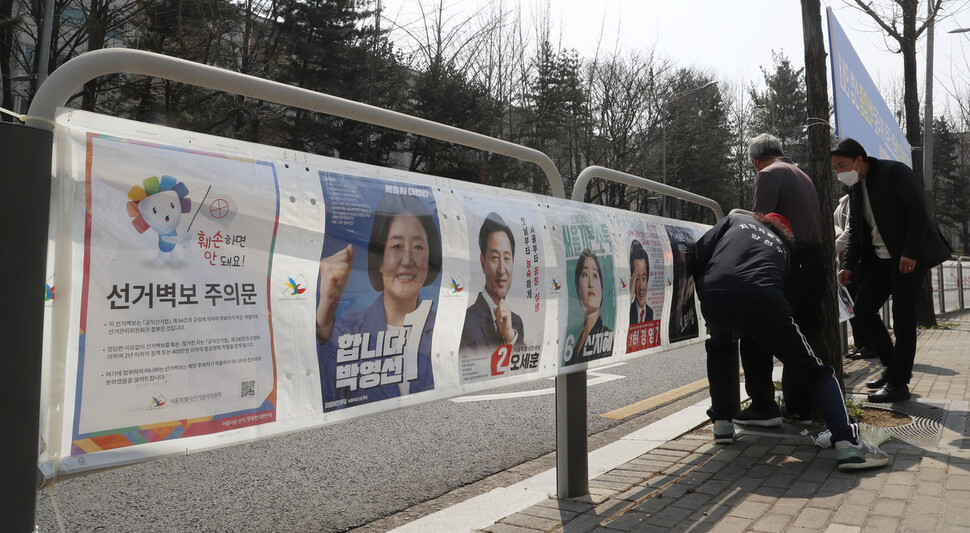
[
  {"x": 853, "y": 407},
  {"x": 942, "y": 325}
]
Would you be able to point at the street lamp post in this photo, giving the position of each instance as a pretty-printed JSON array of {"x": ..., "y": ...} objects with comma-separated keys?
[{"x": 663, "y": 131}]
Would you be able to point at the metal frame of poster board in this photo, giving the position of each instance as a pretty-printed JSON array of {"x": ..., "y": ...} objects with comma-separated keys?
[{"x": 62, "y": 84}]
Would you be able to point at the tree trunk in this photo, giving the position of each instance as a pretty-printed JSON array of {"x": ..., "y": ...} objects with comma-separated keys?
[
  {"x": 925, "y": 312},
  {"x": 6, "y": 51},
  {"x": 965, "y": 237},
  {"x": 820, "y": 169},
  {"x": 96, "y": 37}
]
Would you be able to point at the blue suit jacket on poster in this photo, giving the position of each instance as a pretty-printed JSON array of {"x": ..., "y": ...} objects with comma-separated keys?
[{"x": 370, "y": 320}]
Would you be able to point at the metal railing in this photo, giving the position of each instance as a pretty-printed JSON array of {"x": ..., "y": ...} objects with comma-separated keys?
[
  {"x": 951, "y": 284},
  {"x": 71, "y": 76}
]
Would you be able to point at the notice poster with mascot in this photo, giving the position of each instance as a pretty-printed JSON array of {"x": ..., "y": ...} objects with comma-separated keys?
[{"x": 175, "y": 335}]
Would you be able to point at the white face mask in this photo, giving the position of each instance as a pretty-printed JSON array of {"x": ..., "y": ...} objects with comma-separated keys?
[{"x": 849, "y": 178}]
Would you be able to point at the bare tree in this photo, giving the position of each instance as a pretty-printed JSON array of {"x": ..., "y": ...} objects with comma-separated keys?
[
  {"x": 101, "y": 18},
  {"x": 8, "y": 26},
  {"x": 738, "y": 100},
  {"x": 903, "y": 26}
]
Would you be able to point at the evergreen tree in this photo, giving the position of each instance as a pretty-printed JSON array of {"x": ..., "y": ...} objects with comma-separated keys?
[
  {"x": 698, "y": 144},
  {"x": 951, "y": 178},
  {"x": 780, "y": 108},
  {"x": 334, "y": 51},
  {"x": 443, "y": 94},
  {"x": 557, "y": 109}
]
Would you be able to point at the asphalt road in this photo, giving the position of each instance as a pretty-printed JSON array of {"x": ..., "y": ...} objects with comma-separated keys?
[{"x": 346, "y": 475}]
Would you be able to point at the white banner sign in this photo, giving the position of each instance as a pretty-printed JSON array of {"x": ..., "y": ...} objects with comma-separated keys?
[{"x": 211, "y": 292}]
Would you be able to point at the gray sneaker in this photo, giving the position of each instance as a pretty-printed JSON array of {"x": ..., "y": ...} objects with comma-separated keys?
[
  {"x": 723, "y": 432},
  {"x": 860, "y": 456}
]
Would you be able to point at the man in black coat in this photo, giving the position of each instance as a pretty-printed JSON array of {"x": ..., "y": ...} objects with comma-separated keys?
[
  {"x": 892, "y": 244},
  {"x": 490, "y": 322}
]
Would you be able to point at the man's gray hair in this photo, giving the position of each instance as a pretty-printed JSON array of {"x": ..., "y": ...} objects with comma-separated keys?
[{"x": 764, "y": 146}]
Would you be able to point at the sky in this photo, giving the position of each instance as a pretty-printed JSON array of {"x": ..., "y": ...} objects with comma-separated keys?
[{"x": 734, "y": 38}]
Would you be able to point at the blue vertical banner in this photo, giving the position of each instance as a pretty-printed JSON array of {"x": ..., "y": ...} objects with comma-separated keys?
[{"x": 860, "y": 111}]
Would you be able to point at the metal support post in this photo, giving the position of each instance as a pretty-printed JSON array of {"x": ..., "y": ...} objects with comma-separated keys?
[
  {"x": 572, "y": 461},
  {"x": 26, "y": 183},
  {"x": 939, "y": 277},
  {"x": 960, "y": 283},
  {"x": 844, "y": 336}
]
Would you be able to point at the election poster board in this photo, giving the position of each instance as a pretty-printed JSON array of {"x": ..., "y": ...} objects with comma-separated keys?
[
  {"x": 211, "y": 292},
  {"x": 175, "y": 337},
  {"x": 860, "y": 111}
]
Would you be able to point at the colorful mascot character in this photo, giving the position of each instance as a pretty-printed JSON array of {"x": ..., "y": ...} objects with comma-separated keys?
[{"x": 159, "y": 204}]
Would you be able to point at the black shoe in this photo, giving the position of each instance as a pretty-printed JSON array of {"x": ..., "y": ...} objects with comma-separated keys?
[
  {"x": 878, "y": 382},
  {"x": 890, "y": 393},
  {"x": 751, "y": 417},
  {"x": 865, "y": 353},
  {"x": 851, "y": 354}
]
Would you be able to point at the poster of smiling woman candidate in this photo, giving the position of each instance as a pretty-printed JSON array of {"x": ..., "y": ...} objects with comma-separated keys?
[
  {"x": 592, "y": 298},
  {"x": 376, "y": 299}
]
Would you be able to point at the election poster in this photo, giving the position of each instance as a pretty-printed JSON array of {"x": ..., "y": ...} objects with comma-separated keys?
[
  {"x": 683, "y": 322},
  {"x": 379, "y": 276},
  {"x": 503, "y": 326},
  {"x": 591, "y": 317},
  {"x": 646, "y": 275},
  {"x": 175, "y": 332}
]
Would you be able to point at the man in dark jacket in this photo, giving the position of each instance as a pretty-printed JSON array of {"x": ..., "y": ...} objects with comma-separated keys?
[
  {"x": 893, "y": 244},
  {"x": 740, "y": 267}
]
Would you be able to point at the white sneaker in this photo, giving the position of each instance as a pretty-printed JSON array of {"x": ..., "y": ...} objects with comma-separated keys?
[{"x": 860, "y": 456}]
